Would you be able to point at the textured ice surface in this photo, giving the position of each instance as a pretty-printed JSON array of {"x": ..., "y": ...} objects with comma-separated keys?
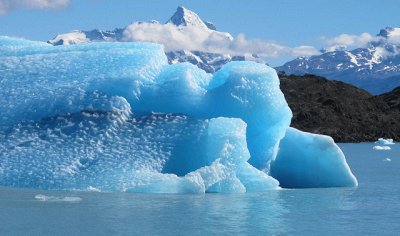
[
  {"x": 308, "y": 160},
  {"x": 39, "y": 80},
  {"x": 110, "y": 151},
  {"x": 117, "y": 117}
]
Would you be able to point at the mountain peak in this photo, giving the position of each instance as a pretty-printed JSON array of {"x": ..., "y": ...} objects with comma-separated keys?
[
  {"x": 186, "y": 17},
  {"x": 389, "y": 32}
]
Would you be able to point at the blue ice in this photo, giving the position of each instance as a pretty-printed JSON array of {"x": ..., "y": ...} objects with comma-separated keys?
[
  {"x": 383, "y": 141},
  {"x": 118, "y": 117},
  {"x": 307, "y": 160}
]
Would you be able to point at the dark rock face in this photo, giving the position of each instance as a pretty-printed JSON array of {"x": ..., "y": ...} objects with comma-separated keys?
[
  {"x": 340, "y": 110},
  {"x": 392, "y": 99}
]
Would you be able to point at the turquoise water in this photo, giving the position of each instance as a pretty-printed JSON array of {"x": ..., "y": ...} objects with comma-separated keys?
[{"x": 371, "y": 209}]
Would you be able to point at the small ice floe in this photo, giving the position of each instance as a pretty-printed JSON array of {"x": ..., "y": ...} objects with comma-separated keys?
[
  {"x": 383, "y": 141},
  {"x": 387, "y": 159},
  {"x": 381, "y": 148},
  {"x": 44, "y": 198},
  {"x": 92, "y": 189}
]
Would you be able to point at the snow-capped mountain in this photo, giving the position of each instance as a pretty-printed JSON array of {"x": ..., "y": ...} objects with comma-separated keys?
[
  {"x": 375, "y": 68},
  {"x": 209, "y": 62},
  {"x": 79, "y": 36},
  {"x": 184, "y": 21},
  {"x": 184, "y": 17}
]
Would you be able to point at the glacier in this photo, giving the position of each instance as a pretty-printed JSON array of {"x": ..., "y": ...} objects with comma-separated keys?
[{"x": 118, "y": 117}]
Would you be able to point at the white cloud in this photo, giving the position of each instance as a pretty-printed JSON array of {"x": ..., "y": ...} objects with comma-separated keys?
[
  {"x": 192, "y": 38},
  {"x": 393, "y": 39},
  {"x": 304, "y": 51},
  {"x": 385, "y": 46},
  {"x": 345, "y": 41},
  {"x": 9, "y": 5}
]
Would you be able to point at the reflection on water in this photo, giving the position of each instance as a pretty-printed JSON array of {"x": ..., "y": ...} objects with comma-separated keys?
[
  {"x": 270, "y": 213},
  {"x": 371, "y": 209},
  {"x": 310, "y": 210}
]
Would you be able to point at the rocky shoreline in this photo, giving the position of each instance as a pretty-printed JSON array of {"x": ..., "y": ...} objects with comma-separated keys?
[{"x": 340, "y": 110}]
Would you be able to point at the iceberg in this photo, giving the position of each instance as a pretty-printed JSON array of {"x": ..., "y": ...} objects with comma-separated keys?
[
  {"x": 382, "y": 141},
  {"x": 308, "y": 160},
  {"x": 379, "y": 148},
  {"x": 44, "y": 198},
  {"x": 118, "y": 117}
]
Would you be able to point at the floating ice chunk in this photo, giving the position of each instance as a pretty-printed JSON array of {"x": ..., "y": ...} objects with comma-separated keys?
[
  {"x": 47, "y": 81},
  {"x": 45, "y": 198},
  {"x": 308, "y": 160},
  {"x": 383, "y": 141},
  {"x": 117, "y": 117},
  {"x": 381, "y": 148},
  {"x": 92, "y": 189},
  {"x": 387, "y": 159}
]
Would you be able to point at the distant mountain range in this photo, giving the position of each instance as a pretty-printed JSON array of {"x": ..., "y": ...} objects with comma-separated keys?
[
  {"x": 375, "y": 68},
  {"x": 183, "y": 19}
]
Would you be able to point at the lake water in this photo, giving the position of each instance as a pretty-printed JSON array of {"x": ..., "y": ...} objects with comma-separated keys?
[{"x": 371, "y": 209}]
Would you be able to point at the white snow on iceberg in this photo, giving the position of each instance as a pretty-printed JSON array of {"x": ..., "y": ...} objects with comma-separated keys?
[{"x": 117, "y": 117}]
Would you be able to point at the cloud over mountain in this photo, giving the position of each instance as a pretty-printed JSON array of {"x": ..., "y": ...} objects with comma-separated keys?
[
  {"x": 388, "y": 36},
  {"x": 344, "y": 41},
  {"x": 9, "y": 5},
  {"x": 203, "y": 39}
]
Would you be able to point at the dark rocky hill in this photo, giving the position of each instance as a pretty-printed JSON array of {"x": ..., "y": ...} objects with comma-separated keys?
[
  {"x": 340, "y": 110},
  {"x": 392, "y": 99}
]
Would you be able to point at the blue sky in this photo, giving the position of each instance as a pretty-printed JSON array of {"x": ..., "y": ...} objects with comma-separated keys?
[{"x": 289, "y": 23}]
